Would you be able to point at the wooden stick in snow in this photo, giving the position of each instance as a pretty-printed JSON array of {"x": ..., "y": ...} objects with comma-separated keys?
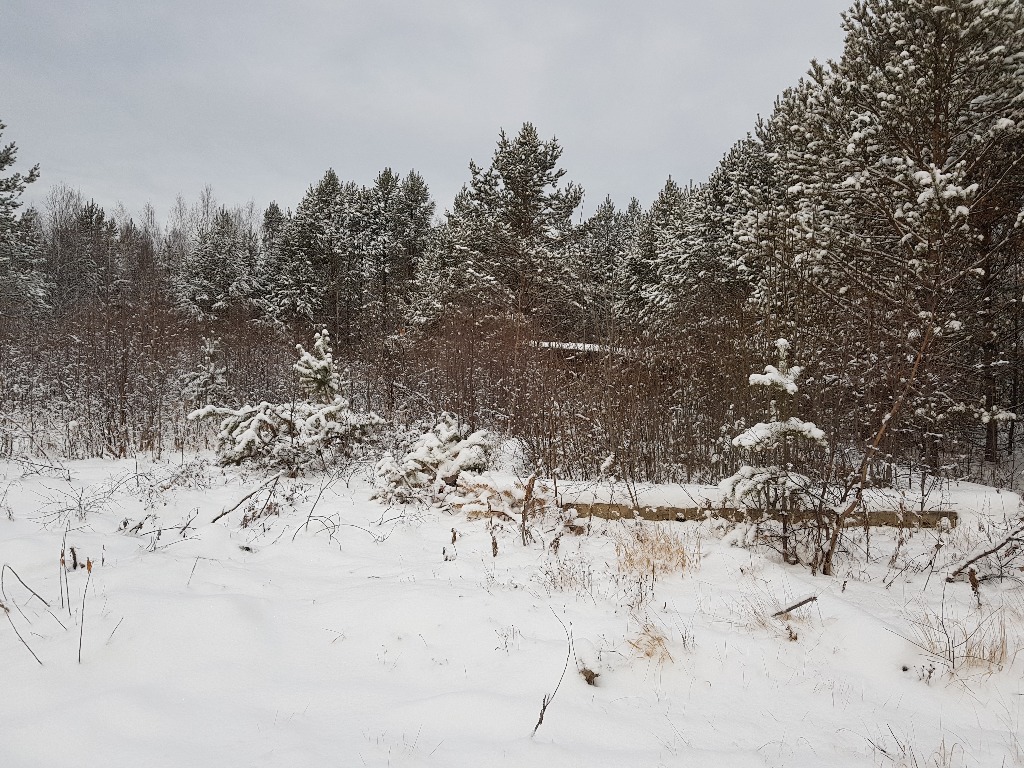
[{"x": 793, "y": 607}]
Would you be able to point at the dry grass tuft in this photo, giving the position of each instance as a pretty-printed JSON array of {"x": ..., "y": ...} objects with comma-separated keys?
[
  {"x": 757, "y": 608},
  {"x": 651, "y": 643},
  {"x": 902, "y": 754},
  {"x": 568, "y": 573},
  {"x": 960, "y": 643},
  {"x": 656, "y": 549}
]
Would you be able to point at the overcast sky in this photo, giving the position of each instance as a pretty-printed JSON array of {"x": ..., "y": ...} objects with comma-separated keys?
[{"x": 140, "y": 100}]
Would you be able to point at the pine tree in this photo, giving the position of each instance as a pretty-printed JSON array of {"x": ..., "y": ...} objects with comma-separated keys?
[
  {"x": 300, "y": 434},
  {"x": 509, "y": 225},
  {"x": 382, "y": 250},
  {"x": 415, "y": 214},
  {"x": 218, "y": 278},
  {"x": 638, "y": 273},
  {"x": 21, "y": 281},
  {"x": 272, "y": 230},
  {"x": 782, "y": 487},
  {"x": 317, "y": 371},
  {"x": 596, "y": 257},
  {"x": 300, "y": 274}
]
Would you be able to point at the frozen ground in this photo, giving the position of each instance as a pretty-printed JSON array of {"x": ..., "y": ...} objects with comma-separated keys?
[{"x": 366, "y": 637}]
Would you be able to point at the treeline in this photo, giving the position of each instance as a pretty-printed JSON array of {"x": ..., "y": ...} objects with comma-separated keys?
[{"x": 874, "y": 220}]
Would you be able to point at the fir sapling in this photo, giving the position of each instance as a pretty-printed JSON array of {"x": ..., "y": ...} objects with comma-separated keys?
[
  {"x": 776, "y": 488},
  {"x": 316, "y": 370}
]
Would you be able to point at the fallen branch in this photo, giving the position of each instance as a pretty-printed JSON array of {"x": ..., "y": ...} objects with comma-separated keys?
[
  {"x": 1014, "y": 536},
  {"x": 548, "y": 698},
  {"x": 7, "y": 613},
  {"x": 3, "y": 593},
  {"x": 190, "y": 521},
  {"x": 180, "y": 529},
  {"x": 273, "y": 480},
  {"x": 26, "y": 586}
]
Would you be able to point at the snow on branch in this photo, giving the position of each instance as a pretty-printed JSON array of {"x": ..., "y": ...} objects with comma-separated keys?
[
  {"x": 767, "y": 435},
  {"x": 784, "y": 377},
  {"x": 773, "y": 377}
]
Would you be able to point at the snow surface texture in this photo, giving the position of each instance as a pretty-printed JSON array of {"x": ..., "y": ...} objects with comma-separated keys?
[{"x": 336, "y": 631}]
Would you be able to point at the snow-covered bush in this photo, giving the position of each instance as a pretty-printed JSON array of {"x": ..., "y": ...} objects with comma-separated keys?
[
  {"x": 298, "y": 434},
  {"x": 499, "y": 494},
  {"x": 290, "y": 435},
  {"x": 433, "y": 463},
  {"x": 469, "y": 472},
  {"x": 767, "y": 489}
]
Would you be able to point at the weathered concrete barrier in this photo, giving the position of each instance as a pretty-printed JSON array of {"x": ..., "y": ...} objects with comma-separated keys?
[{"x": 889, "y": 518}]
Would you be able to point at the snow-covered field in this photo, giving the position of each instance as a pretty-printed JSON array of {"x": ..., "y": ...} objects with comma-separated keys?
[{"x": 359, "y": 634}]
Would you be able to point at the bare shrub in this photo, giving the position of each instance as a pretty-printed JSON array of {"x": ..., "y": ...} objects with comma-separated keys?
[
  {"x": 5, "y": 509},
  {"x": 154, "y": 484},
  {"x": 80, "y": 503},
  {"x": 994, "y": 551}
]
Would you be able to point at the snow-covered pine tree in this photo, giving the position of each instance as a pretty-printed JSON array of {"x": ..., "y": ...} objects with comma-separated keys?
[
  {"x": 598, "y": 253},
  {"x": 430, "y": 468},
  {"x": 288, "y": 288},
  {"x": 300, "y": 277},
  {"x": 656, "y": 231},
  {"x": 298, "y": 435},
  {"x": 217, "y": 278},
  {"x": 22, "y": 283},
  {"x": 272, "y": 229},
  {"x": 701, "y": 277},
  {"x": 209, "y": 382},
  {"x": 79, "y": 255},
  {"x": 317, "y": 372},
  {"x": 13, "y": 185},
  {"x": 436, "y": 292},
  {"x": 781, "y": 487},
  {"x": 509, "y": 225},
  {"x": 413, "y": 222},
  {"x": 383, "y": 255}
]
